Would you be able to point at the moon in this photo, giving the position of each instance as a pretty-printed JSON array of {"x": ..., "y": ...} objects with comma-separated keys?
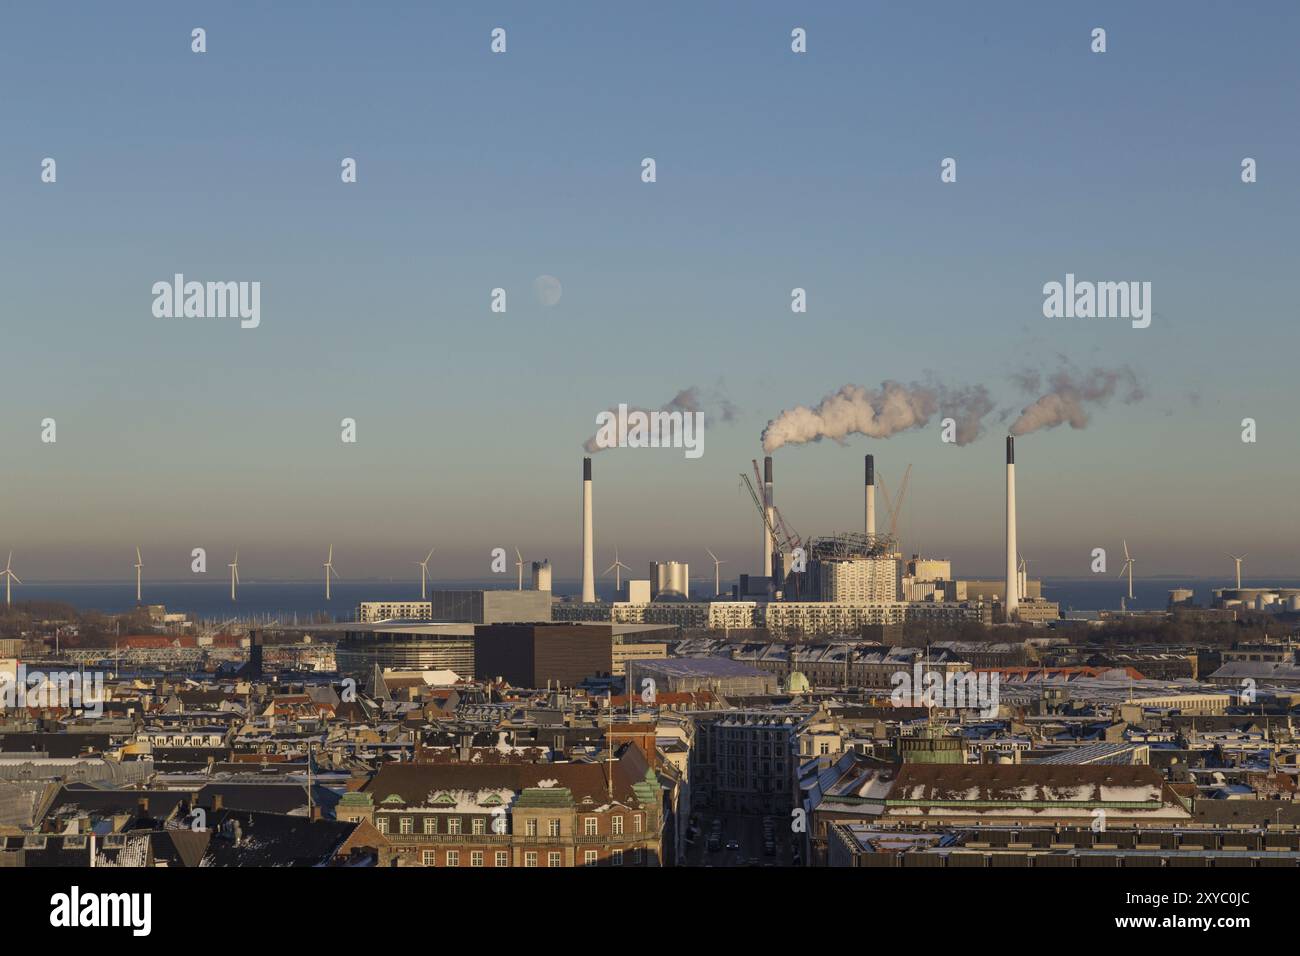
[{"x": 548, "y": 290}]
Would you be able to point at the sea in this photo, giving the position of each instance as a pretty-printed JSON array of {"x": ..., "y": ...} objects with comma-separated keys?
[{"x": 286, "y": 601}]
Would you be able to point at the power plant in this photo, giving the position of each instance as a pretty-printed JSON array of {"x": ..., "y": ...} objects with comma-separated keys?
[{"x": 838, "y": 583}]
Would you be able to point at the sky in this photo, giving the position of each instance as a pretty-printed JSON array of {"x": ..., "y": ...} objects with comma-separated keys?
[{"x": 775, "y": 170}]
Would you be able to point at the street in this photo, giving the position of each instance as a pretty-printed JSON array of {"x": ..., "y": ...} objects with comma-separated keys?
[{"x": 745, "y": 830}]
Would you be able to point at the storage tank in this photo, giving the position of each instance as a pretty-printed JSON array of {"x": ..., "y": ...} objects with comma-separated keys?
[{"x": 669, "y": 580}]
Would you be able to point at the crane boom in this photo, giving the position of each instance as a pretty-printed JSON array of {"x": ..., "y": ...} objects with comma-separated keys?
[{"x": 758, "y": 503}]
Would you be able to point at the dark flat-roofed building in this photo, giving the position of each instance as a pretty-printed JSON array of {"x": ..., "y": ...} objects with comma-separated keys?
[{"x": 531, "y": 655}]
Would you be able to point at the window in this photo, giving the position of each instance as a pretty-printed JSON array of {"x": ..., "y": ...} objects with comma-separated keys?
[
  {"x": 453, "y": 825},
  {"x": 530, "y": 859},
  {"x": 478, "y": 826},
  {"x": 616, "y": 824},
  {"x": 552, "y": 859},
  {"x": 589, "y": 826},
  {"x": 531, "y": 828},
  {"x": 636, "y": 856},
  {"x": 503, "y": 858},
  {"x": 453, "y": 857},
  {"x": 428, "y": 857},
  {"x": 636, "y": 823},
  {"x": 616, "y": 858},
  {"x": 553, "y": 827},
  {"x": 476, "y": 858},
  {"x": 382, "y": 824},
  {"x": 589, "y": 858},
  {"x": 430, "y": 824},
  {"x": 405, "y": 825}
]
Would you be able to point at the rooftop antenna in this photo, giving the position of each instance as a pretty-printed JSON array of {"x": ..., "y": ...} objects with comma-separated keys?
[
  {"x": 424, "y": 574},
  {"x": 609, "y": 746},
  {"x": 10, "y": 578}
]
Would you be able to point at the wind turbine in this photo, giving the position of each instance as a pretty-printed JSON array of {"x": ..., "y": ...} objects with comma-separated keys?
[
  {"x": 329, "y": 569},
  {"x": 139, "y": 565},
  {"x": 618, "y": 567},
  {"x": 9, "y": 577},
  {"x": 234, "y": 575},
  {"x": 1128, "y": 566},
  {"x": 1237, "y": 560},
  {"x": 424, "y": 574},
  {"x": 717, "y": 573},
  {"x": 1022, "y": 576},
  {"x": 519, "y": 565}
]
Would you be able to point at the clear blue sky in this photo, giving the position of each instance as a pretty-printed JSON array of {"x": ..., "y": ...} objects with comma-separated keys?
[{"x": 774, "y": 170}]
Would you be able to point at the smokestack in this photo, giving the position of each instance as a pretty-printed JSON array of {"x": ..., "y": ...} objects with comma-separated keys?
[
  {"x": 588, "y": 551},
  {"x": 871, "y": 494},
  {"x": 767, "y": 510},
  {"x": 1012, "y": 600}
]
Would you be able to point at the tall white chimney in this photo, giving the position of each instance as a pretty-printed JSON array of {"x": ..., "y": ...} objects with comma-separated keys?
[
  {"x": 767, "y": 510},
  {"x": 588, "y": 550},
  {"x": 871, "y": 494},
  {"x": 1012, "y": 601}
]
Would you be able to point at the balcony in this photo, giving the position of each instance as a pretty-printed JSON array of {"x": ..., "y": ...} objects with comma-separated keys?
[{"x": 461, "y": 839}]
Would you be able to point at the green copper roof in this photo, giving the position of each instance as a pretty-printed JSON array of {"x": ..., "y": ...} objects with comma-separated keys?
[{"x": 545, "y": 797}]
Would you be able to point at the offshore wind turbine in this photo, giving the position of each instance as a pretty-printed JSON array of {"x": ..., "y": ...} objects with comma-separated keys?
[
  {"x": 234, "y": 575},
  {"x": 139, "y": 565},
  {"x": 1237, "y": 560},
  {"x": 519, "y": 565},
  {"x": 424, "y": 574},
  {"x": 618, "y": 567},
  {"x": 717, "y": 570},
  {"x": 329, "y": 569},
  {"x": 10, "y": 578},
  {"x": 1128, "y": 566}
]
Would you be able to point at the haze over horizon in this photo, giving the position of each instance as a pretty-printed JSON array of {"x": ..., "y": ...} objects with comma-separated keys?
[{"x": 774, "y": 172}]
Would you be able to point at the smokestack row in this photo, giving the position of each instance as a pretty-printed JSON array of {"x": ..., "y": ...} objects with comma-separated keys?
[
  {"x": 871, "y": 494},
  {"x": 1012, "y": 602},
  {"x": 588, "y": 551},
  {"x": 768, "y": 514}
]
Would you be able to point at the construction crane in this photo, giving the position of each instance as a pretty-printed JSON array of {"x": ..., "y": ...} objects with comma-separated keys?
[
  {"x": 785, "y": 540},
  {"x": 791, "y": 539},
  {"x": 894, "y": 508}
]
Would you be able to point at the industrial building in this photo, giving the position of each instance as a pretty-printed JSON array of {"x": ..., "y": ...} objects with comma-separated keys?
[{"x": 670, "y": 581}]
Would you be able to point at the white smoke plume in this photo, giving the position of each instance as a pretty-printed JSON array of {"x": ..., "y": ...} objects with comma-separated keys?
[
  {"x": 893, "y": 408},
  {"x": 690, "y": 399},
  {"x": 1070, "y": 395}
]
